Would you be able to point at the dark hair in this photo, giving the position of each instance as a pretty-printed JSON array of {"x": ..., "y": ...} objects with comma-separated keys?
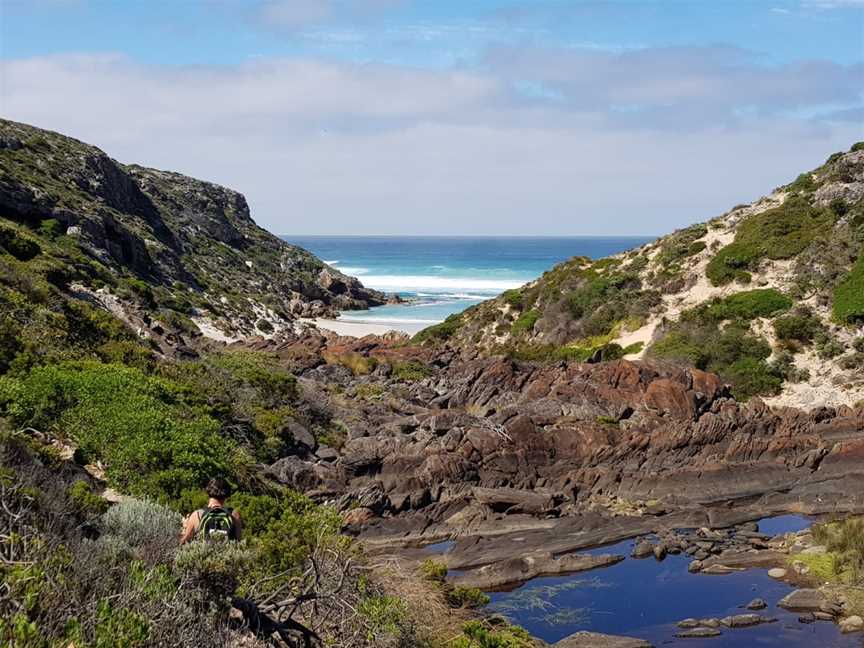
[{"x": 218, "y": 488}]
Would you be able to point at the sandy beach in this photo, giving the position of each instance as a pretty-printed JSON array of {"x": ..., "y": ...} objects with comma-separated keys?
[{"x": 361, "y": 329}]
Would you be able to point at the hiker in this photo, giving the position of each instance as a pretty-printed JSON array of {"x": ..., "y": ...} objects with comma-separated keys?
[{"x": 216, "y": 521}]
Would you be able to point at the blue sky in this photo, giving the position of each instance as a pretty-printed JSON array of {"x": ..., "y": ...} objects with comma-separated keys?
[{"x": 450, "y": 117}]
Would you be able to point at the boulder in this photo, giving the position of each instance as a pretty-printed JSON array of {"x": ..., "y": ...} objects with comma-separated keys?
[
  {"x": 643, "y": 549},
  {"x": 777, "y": 572},
  {"x": 756, "y": 604},
  {"x": 294, "y": 472},
  {"x": 853, "y": 623},
  {"x": 804, "y": 600},
  {"x": 585, "y": 639},
  {"x": 698, "y": 633},
  {"x": 745, "y": 620}
]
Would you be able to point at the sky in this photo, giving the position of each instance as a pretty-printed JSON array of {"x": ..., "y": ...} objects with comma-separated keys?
[{"x": 450, "y": 117}]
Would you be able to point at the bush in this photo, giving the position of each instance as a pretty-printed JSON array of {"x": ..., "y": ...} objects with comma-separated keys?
[
  {"x": 778, "y": 233},
  {"x": 525, "y": 323},
  {"x": 264, "y": 326},
  {"x": 385, "y": 615},
  {"x": 139, "y": 522},
  {"x": 433, "y": 570},
  {"x": 153, "y": 443},
  {"x": 844, "y": 540},
  {"x": 440, "y": 332},
  {"x": 85, "y": 500},
  {"x": 804, "y": 183},
  {"x": 748, "y": 305},
  {"x": 798, "y": 328},
  {"x": 849, "y": 295},
  {"x": 218, "y": 568},
  {"x": 513, "y": 298},
  {"x": 358, "y": 364},
  {"x": 20, "y": 246},
  {"x": 467, "y": 597},
  {"x": 478, "y": 634},
  {"x": 734, "y": 353},
  {"x": 828, "y": 347},
  {"x": 411, "y": 370}
]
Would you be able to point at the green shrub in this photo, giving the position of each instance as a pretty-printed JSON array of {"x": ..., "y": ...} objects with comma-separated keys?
[
  {"x": 153, "y": 443},
  {"x": 440, "y": 332},
  {"x": 682, "y": 244},
  {"x": 20, "y": 246},
  {"x": 264, "y": 326},
  {"x": 797, "y": 327},
  {"x": 478, "y": 634},
  {"x": 844, "y": 540},
  {"x": 120, "y": 627},
  {"x": 748, "y": 305},
  {"x": 467, "y": 597},
  {"x": 385, "y": 615},
  {"x": 857, "y": 146},
  {"x": 433, "y": 570},
  {"x": 778, "y": 233},
  {"x": 525, "y": 323},
  {"x": 734, "y": 353},
  {"x": 411, "y": 370},
  {"x": 849, "y": 295},
  {"x": 514, "y": 298},
  {"x": 804, "y": 183},
  {"x": 50, "y": 228},
  {"x": 215, "y": 567},
  {"x": 139, "y": 522},
  {"x": 85, "y": 500}
]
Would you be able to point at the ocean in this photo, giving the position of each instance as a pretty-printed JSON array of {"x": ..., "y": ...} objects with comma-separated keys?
[{"x": 446, "y": 275}]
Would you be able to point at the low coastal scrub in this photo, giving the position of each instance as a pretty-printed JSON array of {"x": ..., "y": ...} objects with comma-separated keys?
[
  {"x": 440, "y": 332},
  {"x": 715, "y": 336},
  {"x": 681, "y": 245},
  {"x": 849, "y": 296},
  {"x": 843, "y": 559},
  {"x": 734, "y": 353},
  {"x": 122, "y": 579},
  {"x": 778, "y": 233},
  {"x": 524, "y": 324}
]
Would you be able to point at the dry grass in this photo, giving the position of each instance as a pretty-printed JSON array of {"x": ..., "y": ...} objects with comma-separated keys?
[
  {"x": 358, "y": 364},
  {"x": 437, "y": 623}
]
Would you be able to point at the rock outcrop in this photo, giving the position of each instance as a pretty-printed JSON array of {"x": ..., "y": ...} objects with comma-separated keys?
[{"x": 191, "y": 245}]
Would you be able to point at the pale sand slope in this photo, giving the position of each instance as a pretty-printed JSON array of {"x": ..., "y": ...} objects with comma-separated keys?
[{"x": 361, "y": 329}]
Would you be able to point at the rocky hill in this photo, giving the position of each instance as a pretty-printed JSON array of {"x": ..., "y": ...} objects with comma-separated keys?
[
  {"x": 149, "y": 242},
  {"x": 769, "y": 295}
]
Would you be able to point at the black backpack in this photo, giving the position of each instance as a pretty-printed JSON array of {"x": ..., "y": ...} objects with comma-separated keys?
[{"x": 217, "y": 524}]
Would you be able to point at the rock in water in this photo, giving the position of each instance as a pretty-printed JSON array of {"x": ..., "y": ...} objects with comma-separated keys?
[
  {"x": 596, "y": 640},
  {"x": 643, "y": 549},
  {"x": 699, "y": 633},
  {"x": 777, "y": 572},
  {"x": 852, "y": 624},
  {"x": 757, "y": 604},
  {"x": 804, "y": 600}
]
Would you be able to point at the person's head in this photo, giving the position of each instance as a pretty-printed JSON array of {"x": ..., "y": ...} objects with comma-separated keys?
[{"x": 218, "y": 489}]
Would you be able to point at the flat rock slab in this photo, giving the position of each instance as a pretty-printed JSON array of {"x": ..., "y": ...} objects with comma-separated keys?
[
  {"x": 746, "y": 620},
  {"x": 531, "y": 565},
  {"x": 597, "y": 640},
  {"x": 698, "y": 633},
  {"x": 804, "y": 600}
]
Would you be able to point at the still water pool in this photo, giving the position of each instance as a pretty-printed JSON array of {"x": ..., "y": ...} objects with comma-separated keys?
[{"x": 645, "y": 598}]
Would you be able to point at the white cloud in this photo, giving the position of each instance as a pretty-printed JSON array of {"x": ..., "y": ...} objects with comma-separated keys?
[
  {"x": 825, "y": 5},
  {"x": 335, "y": 148},
  {"x": 291, "y": 15}
]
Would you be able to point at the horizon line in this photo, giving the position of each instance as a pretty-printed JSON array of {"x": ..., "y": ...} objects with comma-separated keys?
[{"x": 468, "y": 236}]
